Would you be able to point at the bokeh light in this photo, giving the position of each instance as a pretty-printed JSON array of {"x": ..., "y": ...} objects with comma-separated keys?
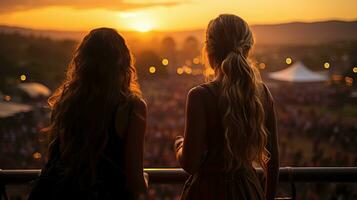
[
  {"x": 37, "y": 155},
  {"x": 326, "y": 65},
  {"x": 7, "y": 98},
  {"x": 23, "y": 77},
  {"x": 262, "y": 66},
  {"x": 179, "y": 71},
  {"x": 196, "y": 61},
  {"x": 288, "y": 61},
  {"x": 165, "y": 61},
  {"x": 188, "y": 70},
  {"x": 354, "y": 70},
  {"x": 152, "y": 69}
]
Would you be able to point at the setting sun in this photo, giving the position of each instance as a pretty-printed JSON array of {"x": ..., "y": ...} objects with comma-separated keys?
[
  {"x": 138, "y": 21},
  {"x": 163, "y": 15},
  {"x": 142, "y": 26}
]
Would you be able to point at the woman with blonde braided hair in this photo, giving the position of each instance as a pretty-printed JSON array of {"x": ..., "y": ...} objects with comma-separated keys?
[{"x": 230, "y": 122}]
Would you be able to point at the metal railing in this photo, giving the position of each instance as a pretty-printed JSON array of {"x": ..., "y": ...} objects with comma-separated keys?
[{"x": 291, "y": 175}]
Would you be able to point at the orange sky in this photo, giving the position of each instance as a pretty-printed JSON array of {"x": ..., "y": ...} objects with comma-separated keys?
[{"x": 144, "y": 15}]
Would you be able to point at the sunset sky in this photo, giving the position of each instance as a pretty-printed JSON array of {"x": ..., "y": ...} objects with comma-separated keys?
[{"x": 145, "y": 15}]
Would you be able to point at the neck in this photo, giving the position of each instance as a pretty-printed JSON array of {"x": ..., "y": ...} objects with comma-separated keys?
[{"x": 218, "y": 76}]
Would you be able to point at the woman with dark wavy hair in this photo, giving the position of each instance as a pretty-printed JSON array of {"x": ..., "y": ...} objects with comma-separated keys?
[
  {"x": 97, "y": 127},
  {"x": 230, "y": 122}
]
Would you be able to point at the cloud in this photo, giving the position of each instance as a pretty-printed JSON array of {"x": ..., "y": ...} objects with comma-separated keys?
[{"x": 7, "y": 6}]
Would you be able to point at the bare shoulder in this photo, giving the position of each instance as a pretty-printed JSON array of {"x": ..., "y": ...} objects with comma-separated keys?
[
  {"x": 133, "y": 110},
  {"x": 195, "y": 95},
  {"x": 139, "y": 108},
  {"x": 139, "y": 104},
  {"x": 196, "y": 92}
]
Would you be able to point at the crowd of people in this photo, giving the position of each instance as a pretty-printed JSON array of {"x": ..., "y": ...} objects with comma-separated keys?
[
  {"x": 313, "y": 117},
  {"x": 311, "y": 132},
  {"x": 22, "y": 144}
]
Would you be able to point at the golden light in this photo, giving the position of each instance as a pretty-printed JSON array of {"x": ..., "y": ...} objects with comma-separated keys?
[
  {"x": 7, "y": 98},
  {"x": 354, "y": 70},
  {"x": 288, "y": 61},
  {"x": 262, "y": 66},
  {"x": 152, "y": 69},
  {"x": 209, "y": 72},
  {"x": 188, "y": 70},
  {"x": 326, "y": 65},
  {"x": 37, "y": 155},
  {"x": 179, "y": 71},
  {"x": 142, "y": 24},
  {"x": 23, "y": 77},
  {"x": 196, "y": 61},
  {"x": 165, "y": 61}
]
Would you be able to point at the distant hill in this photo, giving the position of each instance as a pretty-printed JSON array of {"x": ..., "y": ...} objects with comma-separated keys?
[
  {"x": 54, "y": 34},
  {"x": 288, "y": 33},
  {"x": 306, "y": 33}
]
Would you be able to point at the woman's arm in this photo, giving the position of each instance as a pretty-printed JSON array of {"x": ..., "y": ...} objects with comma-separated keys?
[
  {"x": 273, "y": 147},
  {"x": 134, "y": 147},
  {"x": 190, "y": 150}
]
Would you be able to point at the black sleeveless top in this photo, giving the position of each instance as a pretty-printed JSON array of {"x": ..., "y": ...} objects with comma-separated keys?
[{"x": 110, "y": 182}]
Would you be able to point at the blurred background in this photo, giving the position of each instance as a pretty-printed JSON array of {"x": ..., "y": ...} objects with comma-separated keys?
[{"x": 305, "y": 50}]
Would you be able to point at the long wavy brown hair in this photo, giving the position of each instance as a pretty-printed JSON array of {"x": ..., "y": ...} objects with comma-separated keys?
[
  {"x": 100, "y": 76},
  {"x": 228, "y": 43}
]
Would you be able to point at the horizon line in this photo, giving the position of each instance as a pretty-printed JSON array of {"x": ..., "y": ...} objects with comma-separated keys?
[{"x": 180, "y": 30}]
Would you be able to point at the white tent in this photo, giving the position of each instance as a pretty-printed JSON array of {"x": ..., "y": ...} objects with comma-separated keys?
[
  {"x": 35, "y": 90},
  {"x": 298, "y": 72},
  {"x": 8, "y": 109}
]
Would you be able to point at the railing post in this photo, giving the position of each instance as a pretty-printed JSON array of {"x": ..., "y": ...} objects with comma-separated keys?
[
  {"x": 3, "y": 192},
  {"x": 292, "y": 183}
]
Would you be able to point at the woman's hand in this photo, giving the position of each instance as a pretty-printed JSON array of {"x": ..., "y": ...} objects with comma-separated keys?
[
  {"x": 191, "y": 148},
  {"x": 178, "y": 142}
]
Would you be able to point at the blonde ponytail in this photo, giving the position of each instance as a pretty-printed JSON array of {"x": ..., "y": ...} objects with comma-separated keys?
[
  {"x": 229, "y": 40},
  {"x": 243, "y": 120}
]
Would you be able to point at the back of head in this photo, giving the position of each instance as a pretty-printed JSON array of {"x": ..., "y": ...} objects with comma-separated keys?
[
  {"x": 99, "y": 77},
  {"x": 228, "y": 42}
]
